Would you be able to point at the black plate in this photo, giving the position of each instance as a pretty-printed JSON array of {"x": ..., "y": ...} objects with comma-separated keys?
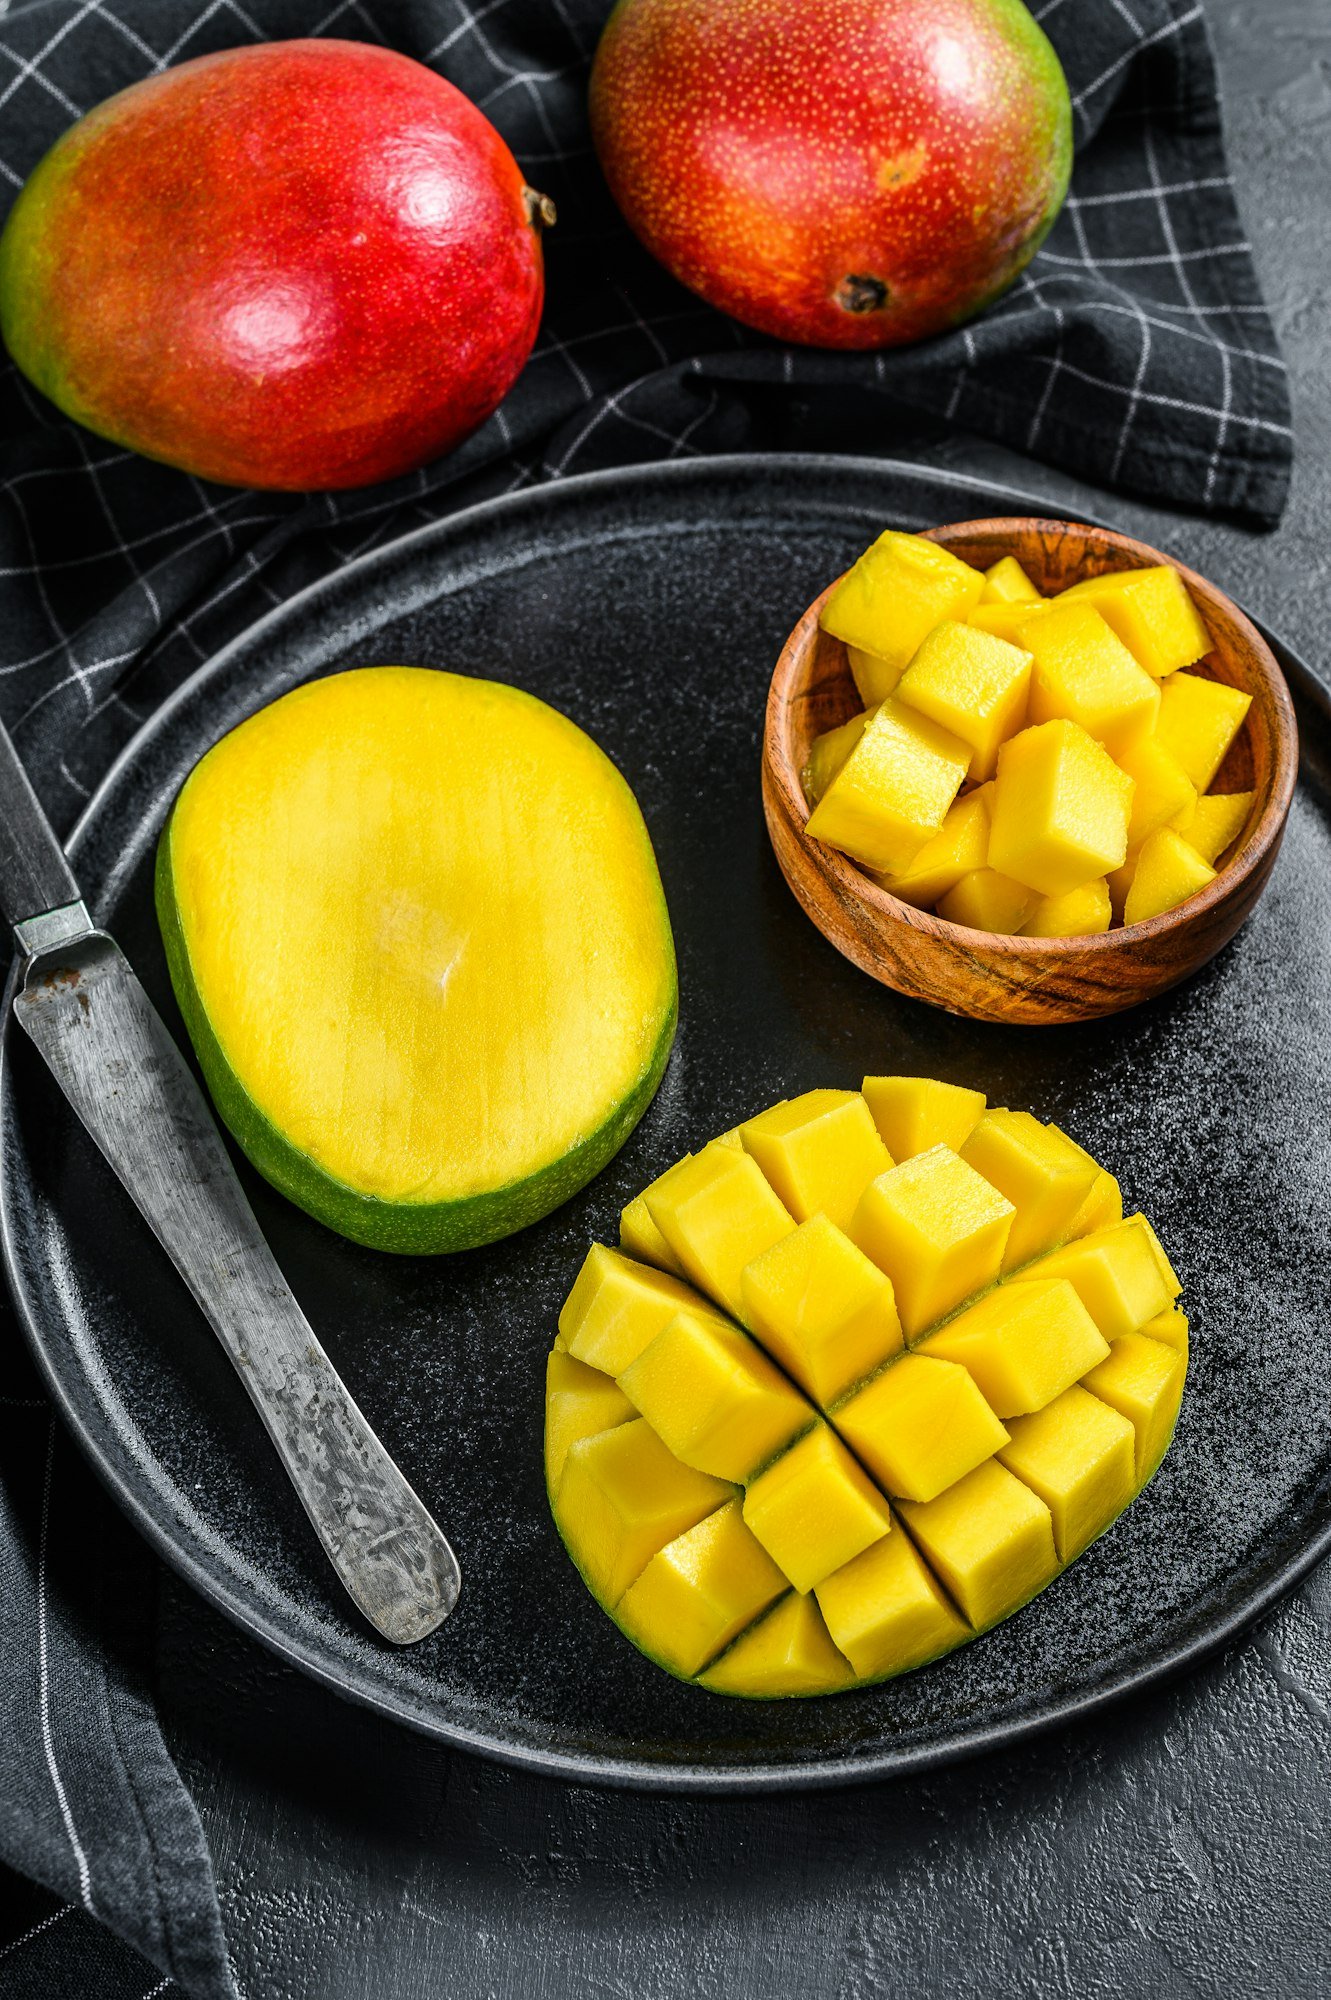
[{"x": 649, "y": 606}]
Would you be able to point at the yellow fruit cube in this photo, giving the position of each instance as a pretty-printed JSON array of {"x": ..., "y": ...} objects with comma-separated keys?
[
  {"x": 640, "y": 1238},
  {"x": 1042, "y": 1172},
  {"x": 893, "y": 791},
  {"x": 990, "y": 1539},
  {"x": 874, "y": 679},
  {"x": 1102, "y": 1207},
  {"x": 1022, "y": 1345},
  {"x": 1143, "y": 1380},
  {"x": 1060, "y": 809},
  {"x": 822, "y": 1309},
  {"x": 917, "y": 1113},
  {"x": 622, "y": 1496},
  {"x": 1168, "y": 871},
  {"x": 819, "y": 1152},
  {"x": 1084, "y": 912},
  {"x": 579, "y": 1402},
  {"x": 988, "y": 901},
  {"x": 972, "y": 684},
  {"x": 1119, "y": 881},
  {"x": 1116, "y": 1274},
  {"x": 788, "y": 1652},
  {"x": 938, "y": 1229},
  {"x": 1171, "y": 1328},
  {"x": 960, "y": 845},
  {"x": 700, "y": 1591},
  {"x": 1215, "y": 822},
  {"x": 1152, "y": 613},
  {"x": 919, "y": 1425},
  {"x": 815, "y": 1508},
  {"x": 1172, "y": 1282},
  {"x": 886, "y": 1612},
  {"x": 617, "y": 1307},
  {"x": 1005, "y": 621},
  {"x": 1006, "y": 582},
  {"x": 1078, "y": 1456},
  {"x": 828, "y": 753},
  {"x": 717, "y": 1213},
  {"x": 714, "y": 1397},
  {"x": 895, "y": 594},
  {"x": 1085, "y": 674},
  {"x": 1162, "y": 790},
  {"x": 1199, "y": 719}
]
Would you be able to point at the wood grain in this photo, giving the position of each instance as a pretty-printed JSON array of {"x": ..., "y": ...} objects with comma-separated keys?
[{"x": 1029, "y": 980}]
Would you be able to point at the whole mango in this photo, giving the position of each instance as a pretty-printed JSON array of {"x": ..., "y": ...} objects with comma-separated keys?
[
  {"x": 301, "y": 265},
  {"x": 843, "y": 173}
]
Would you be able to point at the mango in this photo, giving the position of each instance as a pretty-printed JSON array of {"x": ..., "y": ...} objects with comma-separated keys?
[
  {"x": 960, "y": 846},
  {"x": 1162, "y": 792},
  {"x": 788, "y": 1652},
  {"x": 819, "y": 1152},
  {"x": 1022, "y": 1345},
  {"x": 892, "y": 597},
  {"x": 919, "y": 1425},
  {"x": 988, "y": 901},
  {"x": 917, "y": 1113},
  {"x": 828, "y": 753},
  {"x": 1060, "y": 809},
  {"x": 1168, "y": 871},
  {"x": 1078, "y": 1455},
  {"x": 717, "y": 1213},
  {"x": 1151, "y": 611},
  {"x": 579, "y": 1402},
  {"x": 815, "y": 1508},
  {"x": 893, "y": 791},
  {"x": 989, "y": 1538},
  {"x": 1084, "y": 673},
  {"x": 1084, "y": 912},
  {"x": 1005, "y": 620},
  {"x": 1116, "y": 1273},
  {"x": 1199, "y": 719},
  {"x": 875, "y": 679},
  {"x": 713, "y": 1396},
  {"x": 1006, "y": 582},
  {"x": 822, "y": 1309},
  {"x": 938, "y": 1229},
  {"x": 972, "y": 684},
  {"x": 616, "y": 1308},
  {"x": 1215, "y": 822},
  {"x": 624, "y": 1495},
  {"x": 1143, "y": 1380},
  {"x": 700, "y": 1591},
  {"x": 886, "y": 1612},
  {"x": 1043, "y": 1174}
]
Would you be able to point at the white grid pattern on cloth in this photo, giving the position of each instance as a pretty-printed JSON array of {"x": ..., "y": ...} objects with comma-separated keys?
[{"x": 1136, "y": 348}]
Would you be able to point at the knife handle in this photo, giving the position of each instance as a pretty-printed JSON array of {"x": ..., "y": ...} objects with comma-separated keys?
[{"x": 34, "y": 874}]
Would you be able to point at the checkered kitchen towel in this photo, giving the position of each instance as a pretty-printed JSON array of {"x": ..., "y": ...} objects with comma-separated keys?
[{"x": 1136, "y": 351}]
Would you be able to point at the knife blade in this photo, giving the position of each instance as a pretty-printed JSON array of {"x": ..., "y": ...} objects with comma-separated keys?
[{"x": 81, "y": 1004}]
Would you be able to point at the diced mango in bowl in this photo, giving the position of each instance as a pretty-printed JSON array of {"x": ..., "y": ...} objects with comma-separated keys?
[
  {"x": 1025, "y": 764},
  {"x": 946, "y": 1364}
]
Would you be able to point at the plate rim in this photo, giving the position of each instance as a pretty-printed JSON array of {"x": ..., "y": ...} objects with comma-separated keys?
[{"x": 180, "y": 1552}]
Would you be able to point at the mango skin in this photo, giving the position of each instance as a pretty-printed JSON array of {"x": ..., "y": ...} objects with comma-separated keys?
[
  {"x": 842, "y": 173},
  {"x": 302, "y": 265}
]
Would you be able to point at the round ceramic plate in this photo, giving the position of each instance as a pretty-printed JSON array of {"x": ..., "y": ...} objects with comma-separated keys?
[{"x": 650, "y": 605}]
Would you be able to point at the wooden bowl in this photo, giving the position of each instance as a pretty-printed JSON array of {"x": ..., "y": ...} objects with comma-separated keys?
[{"x": 994, "y": 978}]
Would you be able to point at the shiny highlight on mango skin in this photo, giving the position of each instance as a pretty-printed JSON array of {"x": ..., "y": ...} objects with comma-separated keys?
[{"x": 842, "y": 173}]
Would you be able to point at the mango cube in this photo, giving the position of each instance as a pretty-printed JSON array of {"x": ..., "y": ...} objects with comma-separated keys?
[
  {"x": 938, "y": 1229},
  {"x": 819, "y": 1152},
  {"x": 640, "y": 1238},
  {"x": 917, "y": 1113},
  {"x": 822, "y": 1309},
  {"x": 960, "y": 846},
  {"x": 893, "y": 791},
  {"x": 714, "y": 1397},
  {"x": 717, "y": 1213},
  {"x": 1143, "y": 1380},
  {"x": 1151, "y": 611},
  {"x": 988, "y": 901},
  {"x": 617, "y": 1307},
  {"x": 700, "y": 1591},
  {"x": 1215, "y": 822},
  {"x": 1060, "y": 809},
  {"x": 874, "y": 678},
  {"x": 828, "y": 753},
  {"x": 1005, "y": 620},
  {"x": 1085, "y": 674},
  {"x": 1077, "y": 1455},
  {"x": 1084, "y": 912},
  {"x": 579, "y": 1402},
  {"x": 886, "y": 1613},
  {"x": 989, "y": 1538},
  {"x": 1022, "y": 1345},
  {"x": 919, "y": 1425},
  {"x": 1168, "y": 871},
  {"x": 1199, "y": 719},
  {"x": 622, "y": 1496},
  {"x": 895, "y": 594},
  {"x": 972, "y": 684},
  {"x": 1161, "y": 789},
  {"x": 1040, "y": 1170},
  {"x": 1102, "y": 1207},
  {"x": 815, "y": 1508},
  {"x": 789, "y": 1652},
  {"x": 1116, "y": 1274},
  {"x": 1171, "y": 1328},
  {"x": 1006, "y": 582}
]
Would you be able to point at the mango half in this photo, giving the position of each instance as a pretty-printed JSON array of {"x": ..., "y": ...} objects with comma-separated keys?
[
  {"x": 884, "y": 1362},
  {"x": 416, "y": 930}
]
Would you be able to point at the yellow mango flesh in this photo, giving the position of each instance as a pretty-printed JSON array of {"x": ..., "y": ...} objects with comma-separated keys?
[
  {"x": 1168, "y": 871},
  {"x": 1060, "y": 809},
  {"x": 972, "y": 684},
  {"x": 1084, "y": 912},
  {"x": 810, "y": 1505},
  {"x": 1006, "y": 582},
  {"x": 1085, "y": 674},
  {"x": 891, "y": 599},
  {"x": 458, "y": 872},
  {"x": 1005, "y": 620},
  {"x": 960, "y": 845},
  {"x": 893, "y": 791},
  {"x": 1162, "y": 790},
  {"x": 1215, "y": 822},
  {"x": 987, "y": 900},
  {"x": 1151, "y": 611},
  {"x": 829, "y": 753},
  {"x": 819, "y": 1152},
  {"x": 874, "y": 678},
  {"x": 1199, "y": 719},
  {"x": 717, "y": 1213}
]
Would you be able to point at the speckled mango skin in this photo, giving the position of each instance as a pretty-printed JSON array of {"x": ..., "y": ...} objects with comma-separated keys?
[
  {"x": 301, "y": 265},
  {"x": 841, "y": 173}
]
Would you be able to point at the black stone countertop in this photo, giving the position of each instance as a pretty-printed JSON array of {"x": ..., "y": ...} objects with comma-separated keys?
[{"x": 1180, "y": 1845}]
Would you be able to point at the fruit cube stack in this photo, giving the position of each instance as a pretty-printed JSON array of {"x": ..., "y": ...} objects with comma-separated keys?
[
  {"x": 1025, "y": 764},
  {"x": 861, "y": 1377}
]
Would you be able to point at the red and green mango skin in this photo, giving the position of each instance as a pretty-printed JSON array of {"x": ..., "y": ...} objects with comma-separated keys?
[
  {"x": 842, "y": 173},
  {"x": 300, "y": 265}
]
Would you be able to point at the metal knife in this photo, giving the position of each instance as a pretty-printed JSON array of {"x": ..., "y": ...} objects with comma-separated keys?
[{"x": 81, "y": 1003}]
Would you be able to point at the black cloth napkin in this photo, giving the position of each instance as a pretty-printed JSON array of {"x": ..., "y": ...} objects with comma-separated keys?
[{"x": 1136, "y": 351}]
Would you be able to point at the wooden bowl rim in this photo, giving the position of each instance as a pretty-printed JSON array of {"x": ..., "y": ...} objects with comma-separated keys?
[{"x": 1257, "y": 844}]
